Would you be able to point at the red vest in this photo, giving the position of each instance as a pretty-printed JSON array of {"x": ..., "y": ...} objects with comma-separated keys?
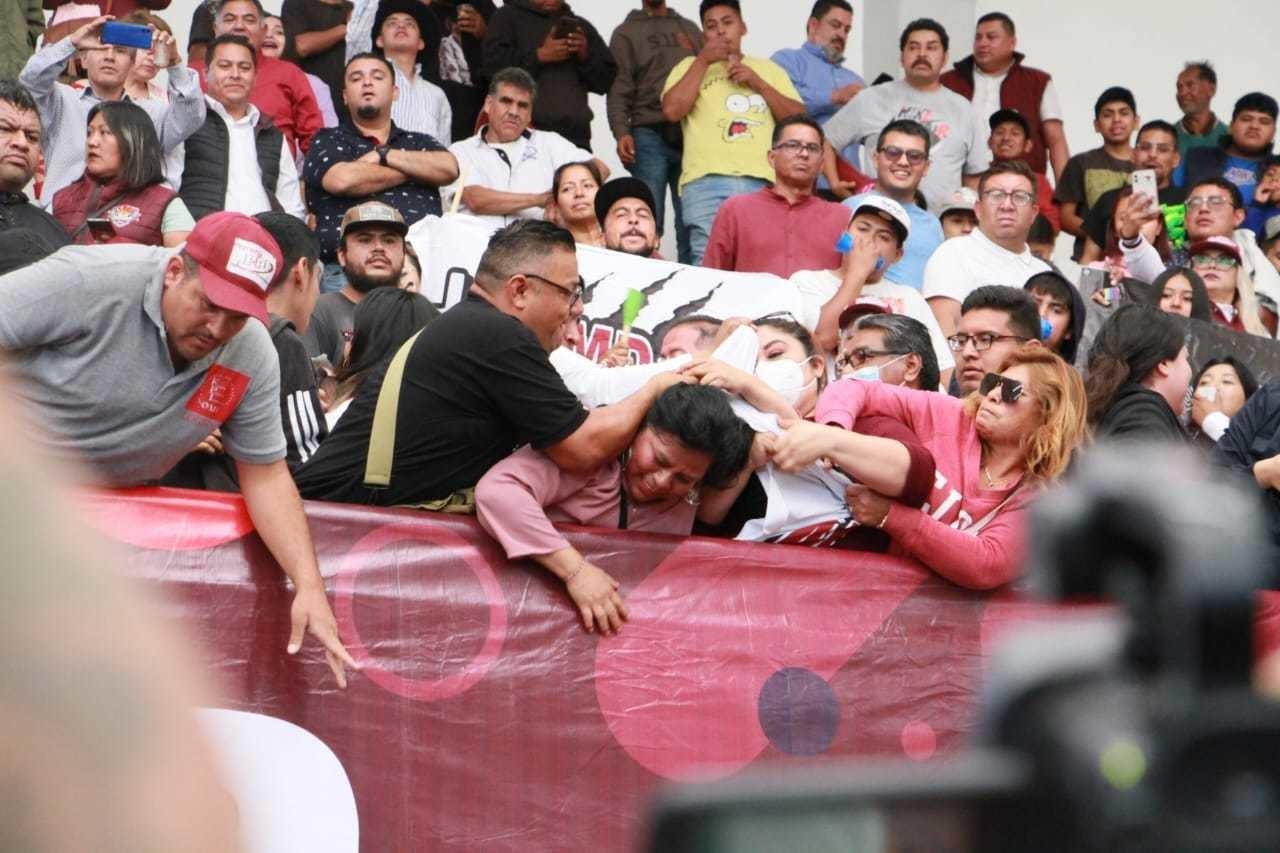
[
  {"x": 136, "y": 215},
  {"x": 1021, "y": 90}
]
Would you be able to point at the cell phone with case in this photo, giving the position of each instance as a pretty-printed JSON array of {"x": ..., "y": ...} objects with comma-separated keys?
[
  {"x": 1144, "y": 183},
  {"x": 567, "y": 26},
  {"x": 1092, "y": 280},
  {"x": 101, "y": 229},
  {"x": 126, "y": 35}
]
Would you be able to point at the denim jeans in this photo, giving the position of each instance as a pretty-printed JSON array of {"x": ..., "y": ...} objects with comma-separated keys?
[
  {"x": 332, "y": 279},
  {"x": 702, "y": 199},
  {"x": 658, "y": 165}
]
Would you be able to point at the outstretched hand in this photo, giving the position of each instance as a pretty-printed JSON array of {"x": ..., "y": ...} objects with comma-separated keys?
[{"x": 311, "y": 612}]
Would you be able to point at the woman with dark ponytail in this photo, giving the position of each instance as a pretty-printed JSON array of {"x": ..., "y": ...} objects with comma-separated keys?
[{"x": 1138, "y": 376}]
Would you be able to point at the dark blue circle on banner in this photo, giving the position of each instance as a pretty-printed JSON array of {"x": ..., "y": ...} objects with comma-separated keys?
[{"x": 798, "y": 711}]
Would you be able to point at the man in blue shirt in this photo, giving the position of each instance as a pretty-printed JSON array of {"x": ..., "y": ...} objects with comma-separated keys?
[
  {"x": 815, "y": 68},
  {"x": 901, "y": 159},
  {"x": 1241, "y": 154}
]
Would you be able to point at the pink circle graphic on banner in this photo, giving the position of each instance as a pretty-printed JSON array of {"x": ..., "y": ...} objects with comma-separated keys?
[{"x": 426, "y": 690}]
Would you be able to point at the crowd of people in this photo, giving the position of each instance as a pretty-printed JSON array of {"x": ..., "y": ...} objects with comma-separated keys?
[{"x": 212, "y": 283}]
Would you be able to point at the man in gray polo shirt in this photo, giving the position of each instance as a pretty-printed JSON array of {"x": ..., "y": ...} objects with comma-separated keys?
[{"x": 126, "y": 357}]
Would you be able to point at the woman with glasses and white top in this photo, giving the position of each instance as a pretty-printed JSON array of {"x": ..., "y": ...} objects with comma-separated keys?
[
  {"x": 993, "y": 451},
  {"x": 1232, "y": 302}
]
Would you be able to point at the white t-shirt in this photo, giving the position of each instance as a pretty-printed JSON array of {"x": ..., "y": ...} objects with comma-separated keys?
[
  {"x": 986, "y": 101},
  {"x": 817, "y": 287},
  {"x": 963, "y": 264},
  {"x": 525, "y": 165},
  {"x": 956, "y": 145}
]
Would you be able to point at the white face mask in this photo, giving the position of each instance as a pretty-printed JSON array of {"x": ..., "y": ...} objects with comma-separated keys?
[
  {"x": 871, "y": 372},
  {"x": 784, "y": 376}
]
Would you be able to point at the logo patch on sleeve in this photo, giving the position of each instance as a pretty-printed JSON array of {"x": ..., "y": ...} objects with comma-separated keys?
[{"x": 219, "y": 394}]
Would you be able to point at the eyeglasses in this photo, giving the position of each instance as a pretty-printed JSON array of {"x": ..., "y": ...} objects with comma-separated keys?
[
  {"x": 1222, "y": 262},
  {"x": 575, "y": 295},
  {"x": 858, "y": 356},
  {"x": 1213, "y": 201},
  {"x": 791, "y": 146},
  {"x": 1020, "y": 198},
  {"x": 893, "y": 154},
  {"x": 1010, "y": 389},
  {"x": 981, "y": 341}
]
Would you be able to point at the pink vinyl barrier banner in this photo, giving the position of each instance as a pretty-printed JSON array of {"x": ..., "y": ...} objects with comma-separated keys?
[{"x": 486, "y": 718}]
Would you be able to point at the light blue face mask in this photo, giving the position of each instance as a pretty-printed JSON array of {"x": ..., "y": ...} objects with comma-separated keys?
[{"x": 871, "y": 372}]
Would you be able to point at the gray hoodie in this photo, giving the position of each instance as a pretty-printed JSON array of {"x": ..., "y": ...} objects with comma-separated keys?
[{"x": 646, "y": 48}]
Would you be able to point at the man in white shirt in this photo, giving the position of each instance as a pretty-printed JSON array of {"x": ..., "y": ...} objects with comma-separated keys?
[
  {"x": 956, "y": 147},
  {"x": 395, "y": 28},
  {"x": 238, "y": 160},
  {"x": 995, "y": 252},
  {"x": 506, "y": 169},
  {"x": 878, "y": 229}
]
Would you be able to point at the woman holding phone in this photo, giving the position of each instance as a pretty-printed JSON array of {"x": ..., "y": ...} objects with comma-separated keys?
[{"x": 121, "y": 197}]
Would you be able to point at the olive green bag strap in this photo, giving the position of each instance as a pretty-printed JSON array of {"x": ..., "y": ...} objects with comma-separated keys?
[{"x": 382, "y": 436}]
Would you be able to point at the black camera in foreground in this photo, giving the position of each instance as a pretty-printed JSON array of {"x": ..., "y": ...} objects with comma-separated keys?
[{"x": 1134, "y": 730}]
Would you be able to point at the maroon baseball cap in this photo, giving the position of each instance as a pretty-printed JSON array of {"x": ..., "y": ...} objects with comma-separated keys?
[
  {"x": 864, "y": 305},
  {"x": 238, "y": 261}
]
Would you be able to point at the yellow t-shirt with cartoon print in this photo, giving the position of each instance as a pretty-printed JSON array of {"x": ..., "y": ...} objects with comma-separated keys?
[{"x": 729, "y": 128}]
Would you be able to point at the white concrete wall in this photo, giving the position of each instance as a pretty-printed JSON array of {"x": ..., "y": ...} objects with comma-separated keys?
[{"x": 1087, "y": 45}]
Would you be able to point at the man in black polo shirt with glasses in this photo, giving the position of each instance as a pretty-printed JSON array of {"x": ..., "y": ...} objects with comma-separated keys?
[{"x": 477, "y": 384}]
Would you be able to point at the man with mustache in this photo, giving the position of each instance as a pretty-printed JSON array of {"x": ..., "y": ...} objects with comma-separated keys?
[
  {"x": 507, "y": 168},
  {"x": 624, "y": 207},
  {"x": 956, "y": 148},
  {"x": 1241, "y": 154},
  {"x": 371, "y": 159},
  {"x": 238, "y": 159},
  {"x": 126, "y": 357},
  {"x": 817, "y": 70},
  {"x": 994, "y": 79},
  {"x": 20, "y": 137},
  {"x": 371, "y": 254}
]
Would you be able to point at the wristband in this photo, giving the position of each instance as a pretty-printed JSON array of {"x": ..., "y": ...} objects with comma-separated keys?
[
  {"x": 382, "y": 150},
  {"x": 1127, "y": 243}
]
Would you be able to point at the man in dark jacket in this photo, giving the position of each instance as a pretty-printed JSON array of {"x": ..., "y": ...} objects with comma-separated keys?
[
  {"x": 1251, "y": 447},
  {"x": 1241, "y": 154},
  {"x": 994, "y": 78},
  {"x": 565, "y": 55},
  {"x": 646, "y": 46},
  {"x": 20, "y": 137}
]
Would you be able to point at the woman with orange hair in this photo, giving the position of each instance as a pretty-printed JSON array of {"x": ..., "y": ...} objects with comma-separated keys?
[{"x": 993, "y": 451}]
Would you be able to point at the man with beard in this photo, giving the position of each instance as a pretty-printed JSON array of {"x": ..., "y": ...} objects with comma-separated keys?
[
  {"x": 371, "y": 159},
  {"x": 371, "y": 254},
  {"x": 1241, "y": 156},
  {"x": 816, "y": 68},
  {"x": 783, "y": 228},
  {"x": 624, "y": 207},
  {"x": 955, "y": 149}
]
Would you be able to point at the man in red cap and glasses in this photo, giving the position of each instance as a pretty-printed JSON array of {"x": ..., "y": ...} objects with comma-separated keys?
[{"x": 126, "y": 357}]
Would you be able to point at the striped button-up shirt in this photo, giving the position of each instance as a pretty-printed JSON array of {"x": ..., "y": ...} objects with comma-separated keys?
[{"x": 64, "y": 112}]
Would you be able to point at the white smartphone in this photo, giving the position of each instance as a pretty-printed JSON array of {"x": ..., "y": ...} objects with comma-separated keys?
[{"x": 1144, "y": 183}]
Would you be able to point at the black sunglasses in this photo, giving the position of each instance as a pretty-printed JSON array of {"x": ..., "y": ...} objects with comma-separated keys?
[{"x": 1010, "y": 389}]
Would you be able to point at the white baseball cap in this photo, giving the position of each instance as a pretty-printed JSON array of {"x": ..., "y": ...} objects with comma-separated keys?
[{"x": 888, "y": 208}]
